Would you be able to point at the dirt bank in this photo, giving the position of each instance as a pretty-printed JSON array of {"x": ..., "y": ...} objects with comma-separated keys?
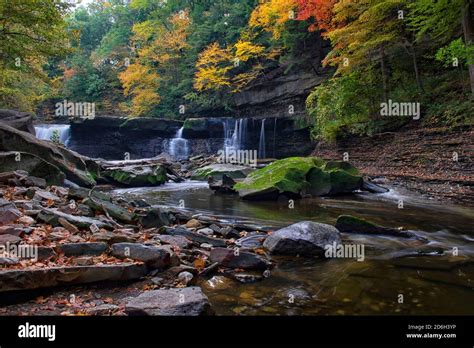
[{"x": 420, "y": 159}]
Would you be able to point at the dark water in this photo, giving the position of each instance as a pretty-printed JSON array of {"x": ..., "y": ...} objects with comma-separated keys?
[{"x": 435, "y": 284}]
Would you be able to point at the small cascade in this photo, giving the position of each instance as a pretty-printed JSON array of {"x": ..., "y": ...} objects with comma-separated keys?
[
  {"x": 178, "y": 146},
  {"x": 54, "y": 132},
  {"x": 261, "y": 143},
  {"x": 235, "y": 137}
]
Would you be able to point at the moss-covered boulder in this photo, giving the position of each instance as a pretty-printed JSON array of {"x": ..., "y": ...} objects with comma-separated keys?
[
  {"x": 137, "y": 176},
  {"x": 295, "y": 176},
  {"x": 216, "y": 171}
]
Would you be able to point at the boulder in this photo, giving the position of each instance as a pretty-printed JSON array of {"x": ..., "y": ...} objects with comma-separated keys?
[
  {"x": 217, "y": 171},
  {"x": 302, "y": 238},
  {"x": 137, "y": 175},
  {"x": 296, "y": 176},
  {"x": 373, "y": 188},
  {"x": 352, "y": 224},
  {"x": 189, "y": 301},
  {"x": 19, "y": 120},
  {"x": 34, "y": 165},
  {"x": 78, "y": 169},
  {"x": 111, "y": 237},
  {"x": 238, "y": 259},
  {"x": 152, "y": 256},
  {"x": 9, "y": 239}
]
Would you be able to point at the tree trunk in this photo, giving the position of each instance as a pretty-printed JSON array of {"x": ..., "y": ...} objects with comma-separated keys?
[
  {"x": 468, "y": 28},
  {"x": 384, "y": 74}
]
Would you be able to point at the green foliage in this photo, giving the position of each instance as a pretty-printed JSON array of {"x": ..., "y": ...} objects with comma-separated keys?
[{"x": 456, "y": 53}]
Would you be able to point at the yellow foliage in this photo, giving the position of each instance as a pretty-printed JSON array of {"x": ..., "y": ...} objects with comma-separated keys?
[
  {"x": 271, "y": 15},
  {"x": 244, "y": 50}
]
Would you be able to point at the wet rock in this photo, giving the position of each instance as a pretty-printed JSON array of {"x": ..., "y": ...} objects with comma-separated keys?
[
  {"x": 34, "y": 181},
  {"x": 156, "y": 217},
  {"x": 24, "y": 279},
  {"x": 216, "y": 171},
  {"x": 219, "y": 283},
  {"x": 193, "y": 223},
  {"x": 229, "y": 232},
  {"x": 195, "y": 237},
  {"x": 139, "y": 203},
  {"x": 238, "y": 259},
  {"x": 179, "y": 241},
  {"x": 10, "y": 239},
  {"x": 75, "y": 249},
  {"x": 8, "y": 212},
  {"x": 252, "y": 240},
  {"x": 154, "y": 257},
  {"x": 373, "y": 188},
  {"x": 302, "y": 238},
  {"x": 137, "y": 175},
  {"x": 189, "y": 301},
  {"x": 246, "y": 278},
  {"x": 352, "y": 224}
]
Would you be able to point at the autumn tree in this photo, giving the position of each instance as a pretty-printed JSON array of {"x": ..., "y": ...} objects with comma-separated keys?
[{"x": 30, "y": 33}]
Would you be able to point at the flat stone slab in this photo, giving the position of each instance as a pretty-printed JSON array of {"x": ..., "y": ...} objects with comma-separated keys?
[
  {"x": 25, "y": 279},
  {"x": 51, "y": 217},
  {"x": 189, "y": 301}
]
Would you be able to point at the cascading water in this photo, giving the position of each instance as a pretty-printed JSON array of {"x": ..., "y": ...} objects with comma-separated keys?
[
  {"x": 235, "y": 137},
  {"x": 178, "y": 146},
  {"x": 261, "y": 143},
  {"x": 54, "y": 132}
]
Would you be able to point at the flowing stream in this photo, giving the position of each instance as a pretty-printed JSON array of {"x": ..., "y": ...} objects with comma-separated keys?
[{"x": 390, "y": 280}]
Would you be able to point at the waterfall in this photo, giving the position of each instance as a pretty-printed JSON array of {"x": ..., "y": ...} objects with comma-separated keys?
[
  {"x": 178, "y": 147},
  {"x": 234, "y": 137},
  {"x": 261, "y": 143},
  {"x": 274, "y": 136},
  {"x": 61, "y": 132}
]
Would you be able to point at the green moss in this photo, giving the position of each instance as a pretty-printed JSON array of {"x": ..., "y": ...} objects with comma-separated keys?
[
  {"x": 320, "y": 182},
  {"x": 128, "y": 178},
  {"x": 300, "y": 175},
  {"x": 346, "y": 166},
  {"x": 344, "y": 182},
  {"x": 287, "y": 175}
]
